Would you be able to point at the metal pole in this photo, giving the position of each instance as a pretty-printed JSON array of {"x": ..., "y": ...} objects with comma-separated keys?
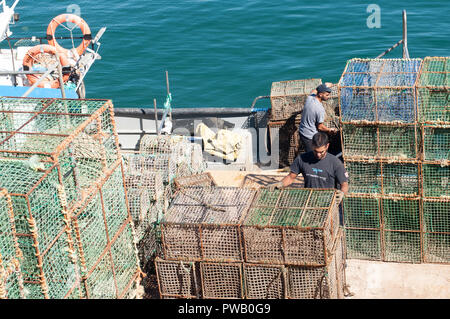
[
  {"x": 168, "y": 91},
  {"x": 60, "y": 75},
  {"x": 156, "y": 116},
  {"x": 405, "y": 36}
]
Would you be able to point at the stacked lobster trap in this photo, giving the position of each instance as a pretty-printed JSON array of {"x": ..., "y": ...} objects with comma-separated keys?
[
  {"x": 288, "y": 99},
  {"x": 60, "y": 165},
  {"x": 150, "y": 176},
  {"x": 386, "y": 142},
  {"x": 433, "y": 89},
  {"x": 224, "y": 242}
]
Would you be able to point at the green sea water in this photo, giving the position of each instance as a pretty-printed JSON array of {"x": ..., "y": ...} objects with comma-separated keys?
[{"x": 224, "y": 53}]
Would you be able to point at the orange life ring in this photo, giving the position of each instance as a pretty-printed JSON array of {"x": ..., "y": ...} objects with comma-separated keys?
[
  {"x": 67, "y": 17},
  {"x": 30, "y": 59}
]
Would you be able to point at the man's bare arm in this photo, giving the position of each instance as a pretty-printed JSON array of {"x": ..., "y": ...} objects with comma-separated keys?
[
  {"x": 321, "y": 127},
  {"x": 288, "y": 180},
  {"x": 344, "y": 188}
]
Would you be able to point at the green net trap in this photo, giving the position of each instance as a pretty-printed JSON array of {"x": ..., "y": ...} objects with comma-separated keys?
[
  {"x": 436, "y": 142},
  {"x": 436, "y": 230},
  {"x": 43, "y": 228},
  {"x": 366, "y": 141},
  {"x": 79, "y": 135},
  {"x": 436, "y": 180},
  {"x": 105, "y": 239},
  {"x": 11, "y": 280},
  {"x": 288, "y": 97},
  {"x": 383, "y": 177},
  {"x": 434, "y": 91},
  {"x": 291, "y": 226},
  {"x": 380, "y": 227},
  {"x": 62, "y": 168}
]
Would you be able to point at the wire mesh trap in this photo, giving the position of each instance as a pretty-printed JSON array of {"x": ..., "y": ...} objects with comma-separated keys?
[
  {"x": 436, "y": 143},
  {"x": 291, "y": 226},
  {"x": 325, "y": 282},
  {"x": 11, "y": 280},
  {"x": 257, "y": 181},
  {"x": 365, "y": 141},
  {"x": 201, "y": 180},
  {"x": 177, "y": 279},
  {"x": 105, "y": 240},
  {"x": 239, "y": 280},
  {"x": 181, "y": 156},
  {"x": 222, "y": 280},
  {"x": 203, "y": 223},
  {"x": 78, "y": 135},
  {"x": 434, "y": 91},
  {"x": 285, "y": 133},
  {"x": 394, "y": 178},
  {"x": 379, "y": 90},
  {"x": 288, "y": 97},
  {"x": 62, "y": 169}
]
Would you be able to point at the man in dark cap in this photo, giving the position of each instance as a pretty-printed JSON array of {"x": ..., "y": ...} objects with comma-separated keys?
[{"x": 313, "y": 116}]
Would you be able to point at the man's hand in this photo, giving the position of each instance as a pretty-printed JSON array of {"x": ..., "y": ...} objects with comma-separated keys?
[
  {"x": 339, "y": 196},
  {"x": 333, "y": 131},
  {"x": 274, "y": 186}
]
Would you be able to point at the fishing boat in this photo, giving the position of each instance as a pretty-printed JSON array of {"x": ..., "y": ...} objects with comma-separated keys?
[
  {"x": 239, "y": 145},
  {"x": 38, "y": 66},
  {"x": 259, "y": 160}
]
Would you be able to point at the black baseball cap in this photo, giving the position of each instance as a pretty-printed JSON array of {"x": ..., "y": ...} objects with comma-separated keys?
[{"x": 323, "y": 88}]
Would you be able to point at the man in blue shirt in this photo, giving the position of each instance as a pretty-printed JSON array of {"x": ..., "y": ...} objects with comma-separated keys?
[{"x": 313, "y": 116}]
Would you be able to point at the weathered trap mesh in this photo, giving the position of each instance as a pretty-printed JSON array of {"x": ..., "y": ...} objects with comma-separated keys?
[
  {"x": 185, "y": 158},
  {"x": 379, "y": 90},
  {"x": 105, "y": 239},
  {"x": 146, "y": 180},
  {"x": 365, "y": 141},
  {"x": 436, "y": 142},
  {"x": 202, "y": 180},
  {"x": 288, "y": 97},
  {"x": 222, "y": 280},
  {"x": 289, "y": 141},
  {"x": 382, "y": 177},
  {"x": 291, "y": 226},
  {"x": 9, "y": 249},
  {"x": 203, "y": 223},
  {"x": 42, "y": 225},
  {"x": 285, "y": 133},
  {"x": 177, "y": 279},
  {"x": 63, "y": 171},
  {"x": 257, "y": 181},
  {"x": 265, "y": 282},
  {"x": 325, "y": 282},
  {"x": 434, "y": 91},
  {"x": 11, "y": 281},
  {"x": 78, "y": 134},
  {"x": 436, "y": 181}
]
